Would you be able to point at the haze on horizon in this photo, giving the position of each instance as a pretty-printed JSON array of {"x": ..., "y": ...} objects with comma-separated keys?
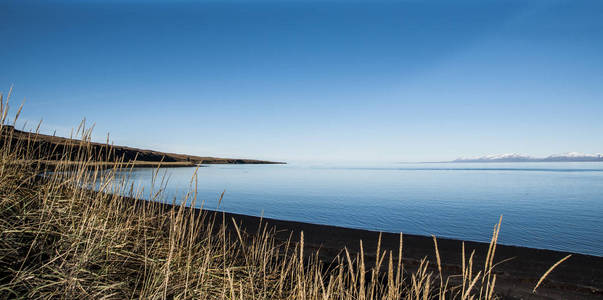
[{"x": 313, "y": 80}]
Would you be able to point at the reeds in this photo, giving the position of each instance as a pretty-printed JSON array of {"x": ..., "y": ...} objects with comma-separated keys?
[{"x": 60, "y": 239}]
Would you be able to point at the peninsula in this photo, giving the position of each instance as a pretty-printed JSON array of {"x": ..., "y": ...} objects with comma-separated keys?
[{"x": 51, "y": 149}]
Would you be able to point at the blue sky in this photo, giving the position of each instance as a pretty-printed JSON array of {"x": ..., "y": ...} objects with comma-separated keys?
[{"x": 313, "y": 80}]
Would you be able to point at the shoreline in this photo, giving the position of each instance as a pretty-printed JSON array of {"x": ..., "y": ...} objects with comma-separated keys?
[{"x": 580, "y": 277}]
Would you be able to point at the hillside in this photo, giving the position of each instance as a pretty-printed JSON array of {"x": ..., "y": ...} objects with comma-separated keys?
[{"x": 54, "y": 148}]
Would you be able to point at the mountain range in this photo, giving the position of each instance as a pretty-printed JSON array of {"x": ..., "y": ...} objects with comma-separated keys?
[{"x": 514, "y": 157}]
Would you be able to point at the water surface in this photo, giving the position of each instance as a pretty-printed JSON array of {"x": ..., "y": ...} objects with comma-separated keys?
[{"x": 544, "y": 205}]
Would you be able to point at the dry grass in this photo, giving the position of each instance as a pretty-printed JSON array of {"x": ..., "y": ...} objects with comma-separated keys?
[{"x": 61, "y": 240}]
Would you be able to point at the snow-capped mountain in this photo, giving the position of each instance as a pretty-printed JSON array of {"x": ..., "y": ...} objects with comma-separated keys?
[
  {"x": 509, "y": 157},
  {"x": 514, "y": 157}
]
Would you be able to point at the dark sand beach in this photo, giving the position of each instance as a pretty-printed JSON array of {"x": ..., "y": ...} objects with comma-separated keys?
[{"x": 579, "y": 277}]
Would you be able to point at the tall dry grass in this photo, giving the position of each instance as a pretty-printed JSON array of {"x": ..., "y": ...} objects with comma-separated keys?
[{"x": 59, "y": 239}]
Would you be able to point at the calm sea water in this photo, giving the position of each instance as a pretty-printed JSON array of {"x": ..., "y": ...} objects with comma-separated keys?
[{"x": 544, "y": 205}]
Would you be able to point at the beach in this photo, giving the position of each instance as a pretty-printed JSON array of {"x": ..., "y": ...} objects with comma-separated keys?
[{"x": 580, "y": 277}]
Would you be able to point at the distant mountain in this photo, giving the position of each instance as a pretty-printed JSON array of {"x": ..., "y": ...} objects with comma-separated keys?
[
  {"x": 510, "y": 157},
  {"x": 575, "y": 156},
  {"x": 514, "y": 157}
]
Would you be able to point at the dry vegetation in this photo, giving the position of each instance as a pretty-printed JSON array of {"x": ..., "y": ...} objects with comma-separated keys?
[{"x": 61, "y": 240}]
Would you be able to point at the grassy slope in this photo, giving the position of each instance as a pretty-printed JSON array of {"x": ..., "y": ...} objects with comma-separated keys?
[{"x": 54, "y": 149}]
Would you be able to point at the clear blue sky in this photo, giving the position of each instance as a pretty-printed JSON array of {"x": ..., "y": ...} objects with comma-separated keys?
[{"x": 313, "y": 80}]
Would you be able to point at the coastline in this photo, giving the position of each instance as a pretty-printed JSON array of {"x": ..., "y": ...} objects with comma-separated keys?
[{"x": 580, "y": 277}]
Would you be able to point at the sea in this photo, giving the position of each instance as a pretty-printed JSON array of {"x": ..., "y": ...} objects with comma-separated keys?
[{"x": 557, "y": 206}]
